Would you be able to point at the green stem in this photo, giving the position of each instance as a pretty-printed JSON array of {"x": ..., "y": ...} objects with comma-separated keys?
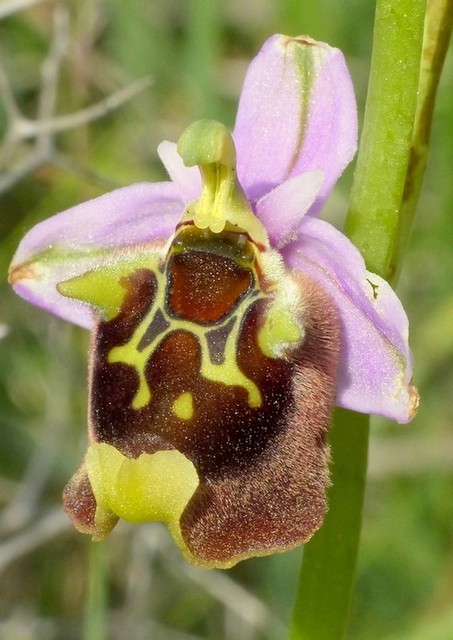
[
  {"x": 329, "y": 561},
  {"x": 202, "y": 54},
  {"x": 95, "y": 623},
  {"x": 382, "y": 162},
  {"x": 438, "y": 27},
  {"x": 327, "y": 577}
]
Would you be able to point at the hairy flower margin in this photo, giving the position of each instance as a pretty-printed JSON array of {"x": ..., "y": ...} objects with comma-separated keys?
[{"x": 227, "y": 320}]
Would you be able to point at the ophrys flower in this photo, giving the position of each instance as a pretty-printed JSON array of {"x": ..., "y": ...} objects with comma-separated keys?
[{"x": 227, "y": 320}]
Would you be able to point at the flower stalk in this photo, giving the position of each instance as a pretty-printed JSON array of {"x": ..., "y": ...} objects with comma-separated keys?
[
  {"x": 382, "y": 163},
  {"x": 95, "y": 622},
  {"x": 438, "y": 27},
  {"x": 387, "y": 184},
  {"x": 327, "y": 576}
]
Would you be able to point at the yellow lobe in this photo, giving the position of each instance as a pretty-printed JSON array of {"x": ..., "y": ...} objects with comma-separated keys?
[
  {"x": 104, "y": 286},
  {"x": 100, "y": 288},
  {"x": 154, "y": 486},
  {"x": 279, "y": 330},
  {"x": 282, "y": 327}
]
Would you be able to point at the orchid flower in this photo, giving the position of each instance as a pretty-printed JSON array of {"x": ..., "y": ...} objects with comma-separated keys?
[{"x": 227, "y": 320}]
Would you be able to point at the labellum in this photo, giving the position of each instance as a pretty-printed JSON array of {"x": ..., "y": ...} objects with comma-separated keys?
[{"x": 212, "y": 380}]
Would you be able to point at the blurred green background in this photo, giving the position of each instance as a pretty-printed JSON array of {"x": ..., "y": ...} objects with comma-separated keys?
[{"x": 195, "y": 53}]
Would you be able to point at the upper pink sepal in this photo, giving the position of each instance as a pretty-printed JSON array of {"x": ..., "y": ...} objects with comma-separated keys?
[{"x": 297, "y": 113}]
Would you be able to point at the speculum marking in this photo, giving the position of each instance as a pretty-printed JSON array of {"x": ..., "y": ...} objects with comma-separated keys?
[
  {"x": 159, "y": 324},
  {"x": 217, "y": 339}
]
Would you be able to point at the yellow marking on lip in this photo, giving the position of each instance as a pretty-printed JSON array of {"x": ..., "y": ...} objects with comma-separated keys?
[
  {"x": 183, "y": 406},
  {"x": 279, "y": 330},
  {"x": 143, "y": 395},
  {"x": 228, "y": 371}
]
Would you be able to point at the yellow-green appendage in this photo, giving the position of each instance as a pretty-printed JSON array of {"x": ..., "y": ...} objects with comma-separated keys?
[{"x": 154, "y": 486}]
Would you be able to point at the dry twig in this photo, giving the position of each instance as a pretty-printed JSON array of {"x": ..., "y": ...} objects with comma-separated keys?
[{"x": 43, "y": 130}]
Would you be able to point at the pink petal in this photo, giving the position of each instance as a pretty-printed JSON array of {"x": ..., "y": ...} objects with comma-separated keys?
[
  {"x": 186, "y": 179},
  {"x": 376, "y": 365},
  {"x": 282, "y": 209},
  {"x": 82, "y": 237},
  {"x": 296, "y": 113}
]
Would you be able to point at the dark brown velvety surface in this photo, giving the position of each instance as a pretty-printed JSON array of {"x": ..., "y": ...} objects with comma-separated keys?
[{"x": 280, "y": 500}]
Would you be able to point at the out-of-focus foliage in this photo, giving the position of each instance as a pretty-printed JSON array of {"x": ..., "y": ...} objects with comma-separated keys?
[{"x": 196, "y": 53}]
